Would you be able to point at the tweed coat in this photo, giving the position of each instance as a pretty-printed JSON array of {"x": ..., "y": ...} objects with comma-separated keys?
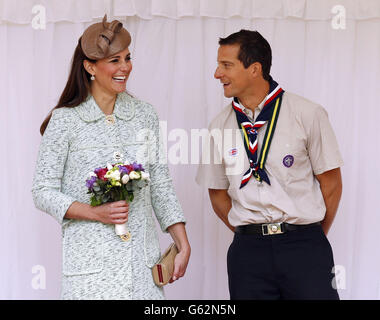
[{"x": 96, "y": 263}]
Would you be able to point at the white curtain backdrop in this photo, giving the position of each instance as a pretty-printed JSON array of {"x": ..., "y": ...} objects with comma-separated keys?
[{"x": 174, "y": 47}]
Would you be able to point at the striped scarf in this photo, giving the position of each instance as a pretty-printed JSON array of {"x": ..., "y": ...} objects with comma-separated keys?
[{"x": 269, "y": 114}]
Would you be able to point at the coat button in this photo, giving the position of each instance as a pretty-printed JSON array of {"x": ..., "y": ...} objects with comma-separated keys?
[
  {"x": 117, "y": 156},
  {"x": 110, "y": 119}
]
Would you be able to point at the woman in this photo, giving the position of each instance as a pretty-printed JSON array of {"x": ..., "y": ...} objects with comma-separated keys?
[{"x": 96, "y": 122}]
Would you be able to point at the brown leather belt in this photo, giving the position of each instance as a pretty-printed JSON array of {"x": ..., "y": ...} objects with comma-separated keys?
[{"x": 272, "y": 228}]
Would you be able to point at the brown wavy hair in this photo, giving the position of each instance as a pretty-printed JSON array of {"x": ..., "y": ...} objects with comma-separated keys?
[{"x": 77, "y": 87}]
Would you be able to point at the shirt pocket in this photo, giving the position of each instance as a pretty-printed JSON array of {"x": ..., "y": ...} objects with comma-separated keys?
[
  {"x": 82, "y": 248},
  {"x": 235, "y": 157},
  {"x": 289, "y": 163}
]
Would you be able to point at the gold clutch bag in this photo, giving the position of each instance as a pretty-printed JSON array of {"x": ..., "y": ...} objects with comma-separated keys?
[{"x": 163, "y": 270}]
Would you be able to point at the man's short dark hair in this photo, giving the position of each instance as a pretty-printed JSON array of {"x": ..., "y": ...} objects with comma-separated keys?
[{"x": 253, "y": 48}]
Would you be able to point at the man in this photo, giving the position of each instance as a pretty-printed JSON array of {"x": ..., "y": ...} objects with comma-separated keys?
[{"x": 273, "y": 178}]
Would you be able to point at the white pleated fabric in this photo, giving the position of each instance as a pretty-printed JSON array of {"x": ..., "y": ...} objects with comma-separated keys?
[{"x": 20, "y": 12}]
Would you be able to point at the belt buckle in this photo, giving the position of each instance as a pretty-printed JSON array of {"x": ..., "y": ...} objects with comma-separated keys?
[{"x": 272, "y": 228}]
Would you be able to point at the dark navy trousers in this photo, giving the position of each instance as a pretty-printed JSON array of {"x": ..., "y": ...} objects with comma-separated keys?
[{"x": 294, "y": 265}]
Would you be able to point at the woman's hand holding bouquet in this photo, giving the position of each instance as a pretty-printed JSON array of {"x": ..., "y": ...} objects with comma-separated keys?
[{"x": 112, "y": 188}]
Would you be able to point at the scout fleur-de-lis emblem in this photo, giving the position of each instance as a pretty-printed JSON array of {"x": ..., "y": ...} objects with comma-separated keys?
[{"x": 288, "y": 161}]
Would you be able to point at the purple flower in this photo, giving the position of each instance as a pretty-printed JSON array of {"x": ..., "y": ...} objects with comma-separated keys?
[
  {"x": 90, "y": 183},
  {"x": 123, "y": 169},
  {"x": 137, "y": 167}
]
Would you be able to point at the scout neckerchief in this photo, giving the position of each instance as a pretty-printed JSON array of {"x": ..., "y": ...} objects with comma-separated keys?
[{"x": 269, "y": 114}]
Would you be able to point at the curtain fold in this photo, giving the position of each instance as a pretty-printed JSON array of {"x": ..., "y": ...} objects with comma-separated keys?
[{"x": 20, "y": 12}]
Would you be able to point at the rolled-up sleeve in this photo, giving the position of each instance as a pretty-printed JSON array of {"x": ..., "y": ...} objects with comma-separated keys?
[
  {"x": 211, "y": 170},
  {"x": 164, "y": 200},
  {"x": 322, "y": 144},
  {"x": 52, "y": 155}
]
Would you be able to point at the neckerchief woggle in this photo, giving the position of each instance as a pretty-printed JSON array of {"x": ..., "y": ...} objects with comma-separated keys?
[{"x": 269, "y": 114}]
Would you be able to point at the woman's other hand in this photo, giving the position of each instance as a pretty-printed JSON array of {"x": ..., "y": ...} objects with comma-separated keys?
[
  {"x": 180, "y": 264},
  {"x": 178, "y": 233}
]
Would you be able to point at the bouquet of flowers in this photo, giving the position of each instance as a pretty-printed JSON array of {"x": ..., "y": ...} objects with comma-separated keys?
[{"x": 116, "y": 182}]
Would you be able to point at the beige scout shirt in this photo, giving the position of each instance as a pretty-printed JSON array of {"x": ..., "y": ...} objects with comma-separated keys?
[{"x": 303, "y": 145}]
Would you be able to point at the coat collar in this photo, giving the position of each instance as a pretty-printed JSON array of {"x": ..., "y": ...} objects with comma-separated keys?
[{"x": 124, "y": 108}]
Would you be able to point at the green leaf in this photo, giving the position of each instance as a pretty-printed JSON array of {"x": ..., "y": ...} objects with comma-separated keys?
[
  {"x": 95, "y": 202},
  {"x": 130, "y": 197}
]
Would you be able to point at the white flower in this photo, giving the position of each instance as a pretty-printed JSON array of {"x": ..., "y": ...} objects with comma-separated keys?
[
  {"x": 125, "y": 179},
  {"x": 116, "y": 175},
  {"x": 144, "y": 175},
  {"x": 134, "y": 175},
  {"x": 113, "y": 175},
  {"x": 109, "y": 166}
]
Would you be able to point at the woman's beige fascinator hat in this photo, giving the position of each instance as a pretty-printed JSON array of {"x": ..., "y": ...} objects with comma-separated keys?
[{"x": 104, "y": 39}]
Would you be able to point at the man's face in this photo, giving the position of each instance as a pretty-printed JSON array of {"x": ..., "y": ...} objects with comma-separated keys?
[{"x": 235, "y": 78}]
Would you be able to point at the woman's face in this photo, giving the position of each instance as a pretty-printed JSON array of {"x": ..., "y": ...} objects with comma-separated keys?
[{"x": 111, "y": 74}]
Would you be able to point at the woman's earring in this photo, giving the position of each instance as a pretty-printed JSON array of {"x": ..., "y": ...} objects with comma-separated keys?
[{"x": 92, "y": 77}]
